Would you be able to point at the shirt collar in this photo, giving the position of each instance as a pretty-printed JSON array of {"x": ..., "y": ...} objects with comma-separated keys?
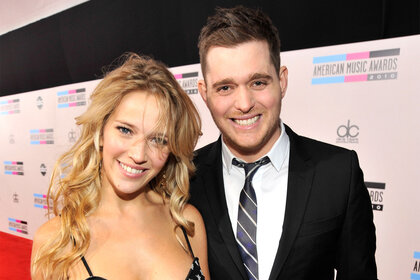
[{"x": 277, "y": 154}]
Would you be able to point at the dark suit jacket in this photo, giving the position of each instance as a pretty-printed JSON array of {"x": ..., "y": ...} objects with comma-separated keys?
[{"x": 328, "y": 221}]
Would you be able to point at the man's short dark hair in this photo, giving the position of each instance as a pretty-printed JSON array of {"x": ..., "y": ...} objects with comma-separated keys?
[{"x": 229, "y": 27}]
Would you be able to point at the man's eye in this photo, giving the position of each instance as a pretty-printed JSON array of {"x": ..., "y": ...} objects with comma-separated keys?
[
  {"x": 223, "y": 88},
  {"x": 124, "y": 130},
  {"x": 260, "y": 83}
]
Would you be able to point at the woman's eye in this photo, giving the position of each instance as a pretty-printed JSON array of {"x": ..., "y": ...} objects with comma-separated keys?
[
  {"x": 159, "y": 140},
  {"x": 124, "y": 130}
]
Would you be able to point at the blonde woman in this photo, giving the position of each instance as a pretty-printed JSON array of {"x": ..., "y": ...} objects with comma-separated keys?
[{"x": 119, "y": 195}]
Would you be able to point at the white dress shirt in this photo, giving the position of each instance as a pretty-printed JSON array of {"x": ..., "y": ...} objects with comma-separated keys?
[{"x": 270, "y": 185}]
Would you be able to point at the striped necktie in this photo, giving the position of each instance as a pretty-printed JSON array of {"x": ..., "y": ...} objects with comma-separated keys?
[{"x": 246, "y": 235}]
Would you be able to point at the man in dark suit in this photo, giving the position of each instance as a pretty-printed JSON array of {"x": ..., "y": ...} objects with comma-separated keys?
[{"x": 276, "y": 205}]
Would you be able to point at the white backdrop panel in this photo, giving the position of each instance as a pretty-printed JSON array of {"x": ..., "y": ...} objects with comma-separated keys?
[{"x": 362, "y": 96}]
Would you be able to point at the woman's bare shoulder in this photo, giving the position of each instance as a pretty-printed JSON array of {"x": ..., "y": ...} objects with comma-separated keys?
[
  {"x": 46, "y": 231},
  {"x": 192, "y": 214}
]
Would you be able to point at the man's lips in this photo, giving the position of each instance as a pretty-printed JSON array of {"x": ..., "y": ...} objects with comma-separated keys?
[{"x": 246, "y": 122}]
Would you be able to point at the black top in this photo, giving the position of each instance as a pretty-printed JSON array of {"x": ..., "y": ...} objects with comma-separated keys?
[{"x": 194, "y": 273}]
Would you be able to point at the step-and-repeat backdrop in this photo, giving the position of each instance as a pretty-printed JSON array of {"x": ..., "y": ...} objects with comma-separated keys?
[{"x": 363, "y": 96}]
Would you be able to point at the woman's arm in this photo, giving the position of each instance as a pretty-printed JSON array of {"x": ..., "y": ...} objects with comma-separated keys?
[
  {"x": 42, "y": 236},
  {"x": 199, "y": 240}
]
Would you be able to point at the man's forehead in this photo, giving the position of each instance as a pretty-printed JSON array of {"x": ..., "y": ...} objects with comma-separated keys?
[{"x": 226, "y": 67}]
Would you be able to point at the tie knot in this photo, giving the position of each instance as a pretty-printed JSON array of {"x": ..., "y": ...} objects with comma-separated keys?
[{"x": 252, "y": 167}]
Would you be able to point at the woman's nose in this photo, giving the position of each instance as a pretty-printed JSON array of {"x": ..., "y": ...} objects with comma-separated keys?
[{"x": 137, "y": 151}]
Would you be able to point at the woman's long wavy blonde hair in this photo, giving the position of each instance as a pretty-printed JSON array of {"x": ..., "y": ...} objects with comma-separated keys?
[{"x": 75, "y": 185}]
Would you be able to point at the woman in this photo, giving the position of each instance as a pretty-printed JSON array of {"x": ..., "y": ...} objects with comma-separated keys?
[{"x": 120, "y": 209}]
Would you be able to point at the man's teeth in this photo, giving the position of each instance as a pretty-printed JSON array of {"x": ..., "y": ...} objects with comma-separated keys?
[
  {"x": 131, "y": 170},
  {"x": 247, "y": 121}
]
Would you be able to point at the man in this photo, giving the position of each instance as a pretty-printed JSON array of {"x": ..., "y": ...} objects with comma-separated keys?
[{"x": 299, "y": 212}]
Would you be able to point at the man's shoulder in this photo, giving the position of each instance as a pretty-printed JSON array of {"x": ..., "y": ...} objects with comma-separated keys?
[
  {"x": 320, "y": 145},
  {"x": 206, "y": 151}
]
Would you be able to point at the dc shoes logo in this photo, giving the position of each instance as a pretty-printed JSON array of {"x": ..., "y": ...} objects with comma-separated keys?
[{"x": 348, "y": 133}]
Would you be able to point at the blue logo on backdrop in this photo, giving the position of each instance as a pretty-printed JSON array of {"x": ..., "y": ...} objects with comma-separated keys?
[
  {"x": 10, "y": 107},
  {"x": 71, "y": 98},
  {"x": 13, "y": 168},
  {"x": 42, "y": 136},
  {"x": 18, "y": 225},
  {"x": 415, "y": 275},
  {"x": 356, "y": 67}
]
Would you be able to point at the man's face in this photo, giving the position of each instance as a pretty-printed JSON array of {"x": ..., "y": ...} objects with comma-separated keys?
[{"x": 243, "y": 92}]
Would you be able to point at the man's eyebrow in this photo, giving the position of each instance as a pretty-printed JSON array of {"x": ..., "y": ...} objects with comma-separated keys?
[
  {"x": 257, "y": 76},
  {"x": 223, "y": 82},
  {"x": 254, "y": 76}
]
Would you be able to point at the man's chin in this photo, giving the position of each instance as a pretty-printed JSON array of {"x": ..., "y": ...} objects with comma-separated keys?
[{"x": 245, "y": 146}]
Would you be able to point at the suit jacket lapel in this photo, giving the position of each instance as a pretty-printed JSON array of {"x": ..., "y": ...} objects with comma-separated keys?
[
  {"x": 216, "y": 196},
  {"x": 299, "y": 185}
]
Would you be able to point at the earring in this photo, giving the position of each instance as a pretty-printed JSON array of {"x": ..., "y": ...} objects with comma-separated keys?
[{"x": 163, "y": 182}]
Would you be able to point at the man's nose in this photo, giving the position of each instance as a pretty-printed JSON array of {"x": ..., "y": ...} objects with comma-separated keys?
[{"x": 244, "y": 99}]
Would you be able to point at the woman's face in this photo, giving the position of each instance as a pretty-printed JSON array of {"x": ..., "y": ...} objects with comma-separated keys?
[{"x": 134, "y": 149}]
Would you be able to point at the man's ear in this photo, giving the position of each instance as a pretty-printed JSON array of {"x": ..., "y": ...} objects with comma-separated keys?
[
  {"x": 283, "y": 75},
  {"x": 203, "y": 90}
]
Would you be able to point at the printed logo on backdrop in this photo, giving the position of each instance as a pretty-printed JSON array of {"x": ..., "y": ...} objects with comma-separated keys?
[
  {"x": 188, "y": 82},
  {"x": 40, "y": 201},
  {"x": 71, "y": 98},
  {"x": 9, "y": 107},
  {"x": 43, "y": 169},
  {"x": 356, "y": 67},
  {"x": 42, "y": 136},
  {"x": 348, "y": 133},
  {"x": 72, "y": 136},
  {"x": 18, "y": 225},
  {"x": 11, "y": 139},
  {"x": 13, "y": 168},
  {"x": 15, "y": 197},
  {"x": 416, "y": 267},
  {"x": 376, "y": 192},
  {"x": 39, "y": 102}
]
